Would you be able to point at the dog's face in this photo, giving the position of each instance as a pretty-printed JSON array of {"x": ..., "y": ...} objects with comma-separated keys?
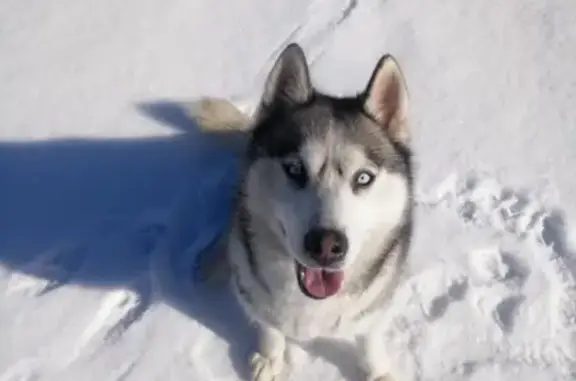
[{"x": 330, "y": 176}]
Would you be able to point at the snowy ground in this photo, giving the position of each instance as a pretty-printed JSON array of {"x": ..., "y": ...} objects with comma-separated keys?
[{"x": 106, "y": 188}]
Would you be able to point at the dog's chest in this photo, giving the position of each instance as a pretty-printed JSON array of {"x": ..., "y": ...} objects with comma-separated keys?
[
  {"x": 302, "y": 318},
  {"x": 306, "y": 323}
]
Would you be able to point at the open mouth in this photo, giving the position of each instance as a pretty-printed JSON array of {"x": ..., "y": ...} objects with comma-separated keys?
[{"x": 318, "y": 283}]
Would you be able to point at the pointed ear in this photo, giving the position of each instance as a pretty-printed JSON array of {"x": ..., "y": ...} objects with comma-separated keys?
[
  {"x": 386, "y": 98},
  {"x": 289, "y": 80}
]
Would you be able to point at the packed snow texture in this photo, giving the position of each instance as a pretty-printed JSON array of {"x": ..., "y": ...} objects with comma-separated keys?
[{"x": 107, "y": 191}]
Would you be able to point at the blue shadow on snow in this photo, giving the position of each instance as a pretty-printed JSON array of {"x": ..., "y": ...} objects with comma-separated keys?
[{"x": 63, "y": 203}]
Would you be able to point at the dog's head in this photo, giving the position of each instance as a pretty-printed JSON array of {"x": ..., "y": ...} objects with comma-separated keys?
[{"x": 329, "y": 176}]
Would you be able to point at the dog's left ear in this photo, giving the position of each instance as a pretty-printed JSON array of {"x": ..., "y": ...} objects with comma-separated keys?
[{"x": 386, "y": 99}]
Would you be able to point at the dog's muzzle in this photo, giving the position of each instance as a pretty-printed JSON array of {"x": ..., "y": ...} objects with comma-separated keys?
[{"x": 327, "y": 247}]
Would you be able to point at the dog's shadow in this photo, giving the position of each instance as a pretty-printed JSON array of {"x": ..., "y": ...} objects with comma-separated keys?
[
  {"x": 56, "y": 191},
  {"x": 213, "y": 305}
]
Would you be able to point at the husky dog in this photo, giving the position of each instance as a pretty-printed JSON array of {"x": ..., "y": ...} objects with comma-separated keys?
[{"x": 322, "y": 222}]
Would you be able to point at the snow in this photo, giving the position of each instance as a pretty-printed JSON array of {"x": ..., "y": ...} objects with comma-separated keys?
[{"x": 107, "y": 192}]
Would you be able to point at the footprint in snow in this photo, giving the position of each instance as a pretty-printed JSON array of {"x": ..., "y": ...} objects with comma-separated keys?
[
  {"x": 498, "y": 278},
  {"x": 437, "y": 288}
]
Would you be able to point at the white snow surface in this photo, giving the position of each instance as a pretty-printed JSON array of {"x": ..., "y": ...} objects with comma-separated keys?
[{"x": 106, "y": 192}]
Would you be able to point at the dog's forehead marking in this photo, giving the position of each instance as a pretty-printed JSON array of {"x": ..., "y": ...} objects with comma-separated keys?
[
  {"x": 316, "y": 156},
  {"x": 332, "y": 152},
  {"x": 341, "y": 136}
]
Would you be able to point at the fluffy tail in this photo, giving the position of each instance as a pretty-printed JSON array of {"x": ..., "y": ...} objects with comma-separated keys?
[
  {"x": 222, "y": 120},
  {"x": 218, "y": 115}
]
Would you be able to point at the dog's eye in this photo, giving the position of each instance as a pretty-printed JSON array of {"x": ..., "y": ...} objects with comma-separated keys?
[
  {"x": 295, "y": 171},
  {"x": 363, "y": 179}
]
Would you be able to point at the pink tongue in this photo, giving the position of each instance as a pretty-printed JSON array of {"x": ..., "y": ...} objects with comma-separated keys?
[{"x": 322, "y": 284}]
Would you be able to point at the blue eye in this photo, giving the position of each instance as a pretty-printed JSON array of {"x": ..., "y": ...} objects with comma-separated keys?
[
  {"x": 363, "y": 179},
  {"x": 294, "y": 169},
  {"x": 296, "y": 172}
]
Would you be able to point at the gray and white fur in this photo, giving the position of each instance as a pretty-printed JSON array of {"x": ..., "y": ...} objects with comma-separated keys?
[{"x": 326, "y": 189}]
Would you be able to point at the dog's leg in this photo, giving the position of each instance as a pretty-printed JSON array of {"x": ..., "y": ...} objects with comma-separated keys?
[
  {"x": 267, "y": 363},
  {"x": 372, "y": 358}
]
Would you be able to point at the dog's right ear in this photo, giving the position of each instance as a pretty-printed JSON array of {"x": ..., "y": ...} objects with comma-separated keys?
[
  {"x": 386, "y": 98},
  {"x": 288, "y": 83}
]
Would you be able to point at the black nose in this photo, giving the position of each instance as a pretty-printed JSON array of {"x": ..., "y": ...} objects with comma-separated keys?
[{"x": 326, "y": 246}]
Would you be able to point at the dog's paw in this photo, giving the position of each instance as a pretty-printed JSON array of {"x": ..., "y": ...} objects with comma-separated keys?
[{"x": 264, "y": 368}]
